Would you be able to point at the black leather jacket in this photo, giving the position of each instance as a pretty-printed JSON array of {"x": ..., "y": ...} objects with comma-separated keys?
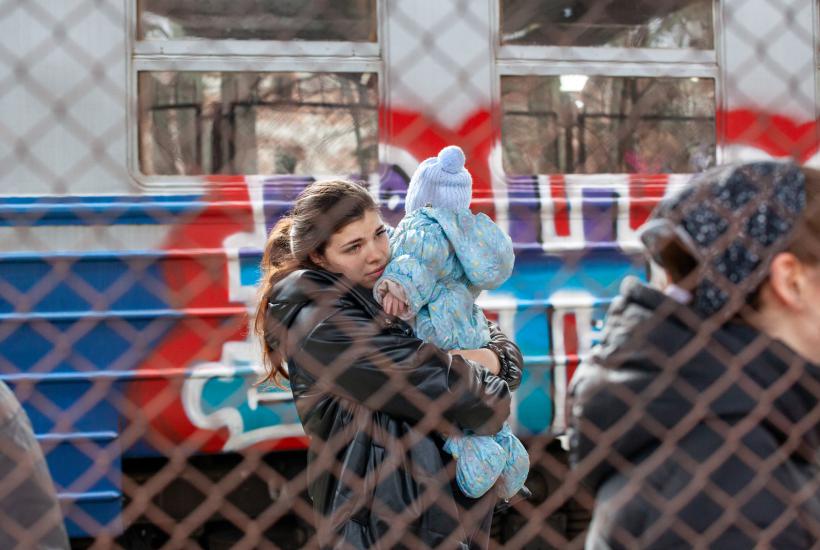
[
  {"x": 654, "y": 418},
  {"x": 374, "y": 400}
]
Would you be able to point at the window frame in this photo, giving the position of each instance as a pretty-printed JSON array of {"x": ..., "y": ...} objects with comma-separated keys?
[
  {"x": 535, "y": 60},
  {"x": 232, "y": 55}
]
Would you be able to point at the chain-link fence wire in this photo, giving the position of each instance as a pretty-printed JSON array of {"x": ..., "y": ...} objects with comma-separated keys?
[{"x": 140, "y": 138}]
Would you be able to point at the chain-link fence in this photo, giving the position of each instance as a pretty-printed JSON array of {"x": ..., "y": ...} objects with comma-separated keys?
[{"x": 148, "y": 147}]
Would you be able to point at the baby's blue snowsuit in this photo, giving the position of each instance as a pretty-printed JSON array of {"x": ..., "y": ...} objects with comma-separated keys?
[{"x": 442, "y": 258}]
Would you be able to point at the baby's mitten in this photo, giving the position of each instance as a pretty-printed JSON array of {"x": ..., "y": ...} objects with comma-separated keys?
[
  {"x": 479, "y": 461},
  {"x": 517, "y": 463}
]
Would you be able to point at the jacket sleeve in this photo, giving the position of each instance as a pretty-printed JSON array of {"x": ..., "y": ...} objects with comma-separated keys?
[
  {"x": 487, "y": 256},
  {"x": 385, "y": 369},
  {"x": 509, "y": 357},
  {"x": 599, "y": 403},
  {"x": 418, "y": 256}
]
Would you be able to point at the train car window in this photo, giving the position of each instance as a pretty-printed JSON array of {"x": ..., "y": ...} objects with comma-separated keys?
[
  {"x": 351, "y": 20},
  {"x": 599, "y": 124},
  {"x": 194, "y": 123},
  {"x": 610, "y": 23}
]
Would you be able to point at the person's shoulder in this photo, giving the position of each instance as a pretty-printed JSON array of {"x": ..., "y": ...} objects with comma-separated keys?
[
  {"x": 311, "y": 276},
  {"x": 419, "y": 222},
  {"x": 456, "y": 219},
  {"x": 305, "y": 285},
  {"x": 420, "y": 217},
  {"x": 306, "y": 297}
]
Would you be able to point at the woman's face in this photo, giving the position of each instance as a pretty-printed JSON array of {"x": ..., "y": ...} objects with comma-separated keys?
[
  {"x": 791, "y": 308},
  {"x": 808, "y": 327},
  {"x": 359, "y": 250}
]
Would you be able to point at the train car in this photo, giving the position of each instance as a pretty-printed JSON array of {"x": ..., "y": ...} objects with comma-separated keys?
[{"x": 147, "y": 146}]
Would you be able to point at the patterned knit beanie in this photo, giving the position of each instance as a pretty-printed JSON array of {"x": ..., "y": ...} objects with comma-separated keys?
[
  {"x": 732, "y": 220},
  {"x": 441, "y": 182}
]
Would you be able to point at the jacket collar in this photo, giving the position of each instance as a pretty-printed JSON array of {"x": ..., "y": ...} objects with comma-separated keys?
[{"x": 318, "y": 285}]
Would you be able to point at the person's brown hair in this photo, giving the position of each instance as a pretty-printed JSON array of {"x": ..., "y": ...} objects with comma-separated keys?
[
  {"x": 322, "y": 209},
  {"x": 805, "y": 243}
]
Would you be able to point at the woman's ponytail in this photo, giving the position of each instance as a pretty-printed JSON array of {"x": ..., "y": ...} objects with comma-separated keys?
[
  {"x": 277, "y": 263},
  {"x": 277, "y": 248}
]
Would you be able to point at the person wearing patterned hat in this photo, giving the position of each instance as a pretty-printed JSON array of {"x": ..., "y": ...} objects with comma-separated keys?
[
  {"x": 731, "y": 223},
  {"x": 443, "y": 255},
  {"x": 697, "y": 420}
]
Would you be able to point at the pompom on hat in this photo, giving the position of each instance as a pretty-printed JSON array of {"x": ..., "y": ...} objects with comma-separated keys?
[
  {"x": 440, "y": 181},
  {"x": 732, "y": 221}
]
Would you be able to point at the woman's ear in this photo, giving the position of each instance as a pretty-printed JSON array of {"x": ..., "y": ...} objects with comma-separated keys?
[
  {"x": 317, "y": 259},
  {"x": 787, "y": 280}
]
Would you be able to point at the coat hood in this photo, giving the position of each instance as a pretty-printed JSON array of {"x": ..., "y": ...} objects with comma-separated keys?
[
  {"x": 483, "y": 249},
  {"x": 661, "y": 372}
]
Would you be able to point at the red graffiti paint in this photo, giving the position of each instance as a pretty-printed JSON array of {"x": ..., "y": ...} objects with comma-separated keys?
[
  {"x": 423, "y": 138},
  {"x": 560, "y": 203},
  {"x": 777, "y": 135},
  {"x": 570, "y": 331},
  {"x": 196, "y": 277},
  {"x": 644, "y": 193}
]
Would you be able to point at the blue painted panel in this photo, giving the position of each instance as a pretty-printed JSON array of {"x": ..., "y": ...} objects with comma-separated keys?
[
  {"x": 72, "y": 464},
  {"x": 86, "y": 345},
  {"x": 61, "y": 283},
  {"x": 86, "y": 406},
  {"x": 98, "y": 210},
  {"x": 102, "y": 511},
  {"x": 249, "y": 259},
  {"x": 538, "y": 275},
  {"x": 535, "y": 409},
  {"x": 61, "y": 351}
]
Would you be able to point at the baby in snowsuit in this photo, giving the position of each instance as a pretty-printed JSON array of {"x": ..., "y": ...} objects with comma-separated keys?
[{"x": 443, "y": 256}]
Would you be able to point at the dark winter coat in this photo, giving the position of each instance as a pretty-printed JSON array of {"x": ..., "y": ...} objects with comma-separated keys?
[
  {"x": 695, "y": 436},
  {"x": 375, "y": 400}
]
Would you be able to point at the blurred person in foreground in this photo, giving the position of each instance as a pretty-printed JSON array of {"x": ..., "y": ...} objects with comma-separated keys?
[
  {"x": 30, "y": 516},
  {"x": 697, "y": 421},
  {"x": 375, "y": 400}
]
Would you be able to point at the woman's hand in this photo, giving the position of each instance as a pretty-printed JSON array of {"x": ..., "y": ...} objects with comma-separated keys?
[{"x": 483, "y": 356}]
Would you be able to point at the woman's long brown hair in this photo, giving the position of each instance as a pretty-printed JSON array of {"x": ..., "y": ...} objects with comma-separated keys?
[{"x": 322, "y": 209}]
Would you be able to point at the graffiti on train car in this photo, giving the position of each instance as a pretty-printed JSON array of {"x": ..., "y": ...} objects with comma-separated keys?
[
  {"x": 575, "y": 235},
  {"x": 231, "y": 408}
]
